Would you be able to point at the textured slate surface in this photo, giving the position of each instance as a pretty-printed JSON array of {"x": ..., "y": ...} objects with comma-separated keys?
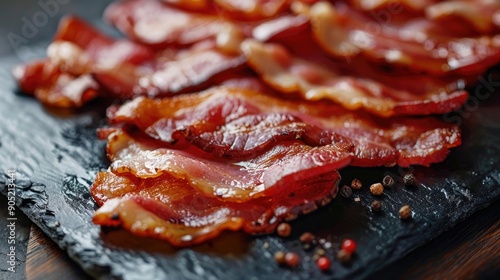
[{"x": 56, "y": 155}]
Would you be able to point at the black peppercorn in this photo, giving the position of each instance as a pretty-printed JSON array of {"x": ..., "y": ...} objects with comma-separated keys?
[
  {"x": 346, "y": 191},
  {"x": 388, "y": 181},
  {"x": 409, "y": 180}
]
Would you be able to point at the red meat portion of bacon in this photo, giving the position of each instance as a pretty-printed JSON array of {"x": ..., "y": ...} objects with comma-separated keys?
[
  {"x": 474, "y": 16},
  {"x": 156, "y": 24},
  {"x": 239, "y": 123},
  {"x": 343, "y": 32},
  {"x": 64, "y": 78},
  {"x": 190, "y": 196},
  {"x": 45, "y": 80},
  {"x": 118, "y": 68},
  {"x": 311, "y": 81},
  {"x": 179, "y": 72}
]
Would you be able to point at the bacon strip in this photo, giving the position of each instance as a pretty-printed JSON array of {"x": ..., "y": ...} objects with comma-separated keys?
[
  {"x": 155, "y": 24},
  {"x": 186, "y": 196},
  {"x": 290, "y": 75},
  {"x": 186, "y": 71},
  {"x": 65, "y": 79},
  {"x": 239, "y": 123},
  {"x": 342, "y": 32}
]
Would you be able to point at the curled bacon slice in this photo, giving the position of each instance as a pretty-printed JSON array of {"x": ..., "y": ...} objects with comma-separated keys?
[
  {"x": 64, "y": 78},
  {"x": 155, "y": 24},
  {"x": 239, "y": 123},
  {"x": 481, "y": 15},
  {"x": 187, "y": 197},
  {"x": 185, "y": 71},
  {"x": 342, "y": 32},
  {"x": 289, "y": 74}
]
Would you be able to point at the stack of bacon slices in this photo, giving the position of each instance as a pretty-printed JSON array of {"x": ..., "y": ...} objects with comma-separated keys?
[{"x": 236, "y": 115}]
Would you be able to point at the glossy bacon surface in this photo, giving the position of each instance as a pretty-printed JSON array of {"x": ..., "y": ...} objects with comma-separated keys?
[
  {"x": 186, "y": 197},
  {"x": 418, "y": 44},
  {"x": 292, "y": 75},
  {"x": 64, "y": 78},
  {"x": 238, "y": 123}
]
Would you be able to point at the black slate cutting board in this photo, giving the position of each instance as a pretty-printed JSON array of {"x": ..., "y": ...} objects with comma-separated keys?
[{"x": 56, "y": 155}]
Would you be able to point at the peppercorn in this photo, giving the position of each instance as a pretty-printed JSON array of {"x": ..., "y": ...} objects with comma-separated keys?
[
  {"x": 409, "y": 180},
  {"x": 349, "y": 245},
  {"x": 320, "y": 252},
  {"x": 356, "y": 184},
  {"x": 388, "y": 181},
  {"x": 343, "y": 256},
  {"x": 405, "y": 212},
  {"x": 346, "y": 191},
  {"x": 307, "y": 237},
  {"x": 284, "y": 229},
  {"x": 376, "y": 205},
  {"x": 377, "y": 189},
  {"x": 292, "y": 259},
  {"x": 279, "y": 257},
  {"x": 323, "y": 263}
]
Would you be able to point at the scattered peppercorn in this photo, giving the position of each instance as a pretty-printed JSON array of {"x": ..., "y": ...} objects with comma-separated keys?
[
  {"x": 409, "y": 180},
  {"x": 405, "y": 212},
  {"x": 343, "y": 256},
  {"x": 57, "y": 224},
  {"x": 349, "y": 245},
  {"x": 279, "y": 257},
  {"x": 284, "y": 229},
  {"x": 376, "y": 205},
  {"x": 292, "y": 259},
  {"x": 323, "y": 263},
  {"x": 356, "y": 184},
  {"x": 346, "y": 191},
  {"x": 320, "y": 252},
  {"x": 377, "y": 189},
  {"x": 307, "y": 238},
  {"x": 388, "y": 181}
]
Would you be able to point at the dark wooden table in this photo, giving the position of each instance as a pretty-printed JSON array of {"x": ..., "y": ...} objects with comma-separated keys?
[{"x": 470, "y": 250}]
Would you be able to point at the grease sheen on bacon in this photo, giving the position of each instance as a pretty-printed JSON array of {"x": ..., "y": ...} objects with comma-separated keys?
[
  {"x": 186, "y": 197},
  {"x": 65, "y": 77},
  {"x": 237, "y": 123},
  {"x": 419, "y": 44},
  {"x": 312, "y": 81}
]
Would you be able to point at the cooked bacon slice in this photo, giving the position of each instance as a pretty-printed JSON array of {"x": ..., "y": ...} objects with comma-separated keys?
[
  {"x": 137, "y": 154},
  {"x": 185, "y": 71},
  {"x": 53, "y": 87},
  {"x": 481, "y": 15},
  {"x": 344, "y": 33},
  {"x": 186, "y": 192},
  {"x": 475, "y": 15},
  {"x": 171, "y": 209},
  {"x": 239, "y": 123},
  {"x": 290, "y": 75},
  {"x": 64, "y": 78},
  {"x": 159, "y": 25}
]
